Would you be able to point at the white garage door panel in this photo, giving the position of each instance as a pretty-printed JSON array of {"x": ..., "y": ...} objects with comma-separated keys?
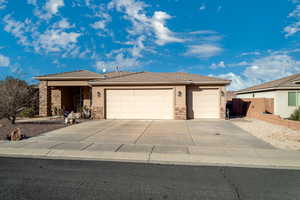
[
  {"x": 139, "y": 104},
  {"x": 204, "y": 103}
]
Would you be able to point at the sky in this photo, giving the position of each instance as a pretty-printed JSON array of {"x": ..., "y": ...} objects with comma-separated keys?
[{"x": 248, "y": 42}]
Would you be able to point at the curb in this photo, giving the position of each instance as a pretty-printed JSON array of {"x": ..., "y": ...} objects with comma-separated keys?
[{"x": 154, "y": 158}]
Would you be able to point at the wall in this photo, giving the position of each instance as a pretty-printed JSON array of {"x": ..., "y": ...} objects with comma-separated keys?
[
  {"x": 248, "y": 106},
  {"x": 98, "y": 103},
  {"x": 275, "y": 119},
  {"x": 281, "y": 107}
]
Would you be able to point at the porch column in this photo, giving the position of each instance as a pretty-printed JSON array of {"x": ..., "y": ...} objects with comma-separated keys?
[
  {"x": 98, "y": 102},
  {"x": 180, "y": 103},
  {"x": 86, "y": 97},
  {"x": 44, "y": 99},
  {"x": 56, "y": 103},
  {"x": 223, "y": 102}
]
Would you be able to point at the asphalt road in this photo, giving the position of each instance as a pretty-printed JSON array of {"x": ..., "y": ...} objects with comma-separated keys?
[{"x": 61, "y": 179}]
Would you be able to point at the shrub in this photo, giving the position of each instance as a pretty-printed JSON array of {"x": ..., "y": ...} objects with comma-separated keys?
[
  {"x": 27, "y": 112},
  {"x": 296, "y": 115}
]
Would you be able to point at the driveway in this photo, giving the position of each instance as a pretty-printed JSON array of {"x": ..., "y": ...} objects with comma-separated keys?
[{"x": 146, "y": 133}]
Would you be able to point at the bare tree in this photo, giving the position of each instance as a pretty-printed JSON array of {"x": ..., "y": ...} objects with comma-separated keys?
[{"x": 15, "y": 95}]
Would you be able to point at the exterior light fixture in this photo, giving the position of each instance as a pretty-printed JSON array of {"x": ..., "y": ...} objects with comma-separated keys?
[
  {"x": 99, "y": 94},
  {"x": 222, "y": 93},
  {"x": 179, "y": 93}
]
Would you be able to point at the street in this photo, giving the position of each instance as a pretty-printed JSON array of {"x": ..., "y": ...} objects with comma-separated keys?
[{"x": 41, "y": 179}]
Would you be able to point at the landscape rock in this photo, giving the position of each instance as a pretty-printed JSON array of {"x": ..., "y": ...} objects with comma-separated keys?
[{"x": 15, "y": 135}]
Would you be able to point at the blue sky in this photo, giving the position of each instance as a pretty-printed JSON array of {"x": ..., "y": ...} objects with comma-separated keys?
[{"x": 249, "y": 42}]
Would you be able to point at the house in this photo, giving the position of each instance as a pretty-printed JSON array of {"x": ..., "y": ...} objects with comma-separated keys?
[
  {"x": 134, "y": 95},
  {"x": 284, "y": 91}
]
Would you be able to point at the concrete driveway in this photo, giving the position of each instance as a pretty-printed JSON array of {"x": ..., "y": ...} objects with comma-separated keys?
[{"x": 147, "y": 133}]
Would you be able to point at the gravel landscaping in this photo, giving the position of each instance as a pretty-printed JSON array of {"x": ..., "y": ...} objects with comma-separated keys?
[
  {"x": 278, "y": 136},
  {"x": 30, "y": 128}
]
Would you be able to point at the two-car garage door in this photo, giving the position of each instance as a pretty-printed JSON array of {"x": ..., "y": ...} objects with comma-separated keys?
[
  {"x": 140, "y": 104},
  {"x": 203, "y": 103}
]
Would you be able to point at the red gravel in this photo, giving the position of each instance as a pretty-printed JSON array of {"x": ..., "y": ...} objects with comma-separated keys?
[{"x": 29, "y": 129}]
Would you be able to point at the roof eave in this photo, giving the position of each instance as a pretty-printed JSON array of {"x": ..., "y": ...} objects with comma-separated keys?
[
  {"x": 65, "y": 78},
  {"x": 159, "y": 83},
  {"x": 268, "y": 89}
]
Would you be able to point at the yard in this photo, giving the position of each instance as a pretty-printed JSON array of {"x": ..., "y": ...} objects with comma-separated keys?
[
  {"x": 30, "y": 128},
  {"x": 279, "y": 136}
]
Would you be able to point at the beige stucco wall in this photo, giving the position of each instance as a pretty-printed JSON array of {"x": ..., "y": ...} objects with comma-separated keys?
[
  {"x": 180, "y": 99},
  {"x": 44, "y": 99},
  {"x": 280, "y": 97},
  {"x": 98, "y": 103},
  {"x": 281, "y": 104}
]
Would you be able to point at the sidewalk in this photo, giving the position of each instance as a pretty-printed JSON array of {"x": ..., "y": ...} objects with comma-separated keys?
[{"x": 184, "y": 155}]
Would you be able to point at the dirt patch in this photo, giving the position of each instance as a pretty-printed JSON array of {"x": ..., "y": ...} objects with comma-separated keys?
[
  {"x": 278, "y": 136},
  {"x": 30, "y": 128}
]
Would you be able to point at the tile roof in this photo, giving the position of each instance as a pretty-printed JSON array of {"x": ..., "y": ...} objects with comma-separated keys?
[
  {"x": 124, "y": 77},
  {"x": 286, "y": 82},
  {"x": 80, "y": 74},
  {"x": 154, "y": 77}
]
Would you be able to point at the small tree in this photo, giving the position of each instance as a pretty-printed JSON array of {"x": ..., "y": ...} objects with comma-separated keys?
[
  {"x": 15, "y": 95},
  {"x": 296, "y": 115}
]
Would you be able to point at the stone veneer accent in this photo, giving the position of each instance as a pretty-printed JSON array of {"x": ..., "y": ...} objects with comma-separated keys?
[
  {"x": 180, "y": 110},
  {"x": 55, "y": 99},
  {"x": 44, "y": 99},
  {"x": 98, "y": 103}
]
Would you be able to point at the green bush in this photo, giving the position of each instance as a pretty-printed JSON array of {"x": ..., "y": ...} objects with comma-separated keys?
[
  {"x": 296, "y": 115},
  {"x": 27, "y": 112}
]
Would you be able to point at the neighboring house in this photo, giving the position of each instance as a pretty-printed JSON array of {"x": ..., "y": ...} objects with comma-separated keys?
[
  {"x": 134, "y": 95},
  {"x": 285, "y": 92}
]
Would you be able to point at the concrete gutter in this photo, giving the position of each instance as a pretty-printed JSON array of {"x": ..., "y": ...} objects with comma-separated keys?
[{"x": 157, "y": 158}]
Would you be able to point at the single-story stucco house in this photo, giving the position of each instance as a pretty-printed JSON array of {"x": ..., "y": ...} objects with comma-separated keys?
[
  {"x": 134, "y": 95},
  {"x": 284, "y": 91}
]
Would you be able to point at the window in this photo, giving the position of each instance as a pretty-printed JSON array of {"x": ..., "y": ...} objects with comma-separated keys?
[{"x": 294, "y": 98}]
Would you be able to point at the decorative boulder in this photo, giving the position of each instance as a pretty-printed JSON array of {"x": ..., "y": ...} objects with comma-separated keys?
[{"x": 15, "y": 135}]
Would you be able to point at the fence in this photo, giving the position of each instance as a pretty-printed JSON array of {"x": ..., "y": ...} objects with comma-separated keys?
[
  {"x": 247, "y": 106},
  {"x": 262, "y": 109}
]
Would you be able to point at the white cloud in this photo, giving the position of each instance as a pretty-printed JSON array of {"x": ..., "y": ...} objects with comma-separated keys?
[
  {"x": 294, "y": 27},
  {"x": 63, "y": 24},
  {"x": 120, "y": 61},
  {"x": 99, "y": 24},
  {"x": 272, "y": 67},
  {"x": 143, "y": 24},
  {"x": 4, "y": 61},
  {"x": 19, "y": 29},
  {"x": 237, "y": 82},
  {"x": 56, "y": 40},
  {"x": 200, "y": 32},
  {"x": 263, "y": 69},
  {"x": 252, "y": 53},
  {"x": 163, "y": 34},
  {"x": 221, "y": 64},
  {"x": 50, "y": 8},
  {"x": 202, "y": 7},
  {"x": 203, "y": 50},
  {"x": 3, "y": 4}
]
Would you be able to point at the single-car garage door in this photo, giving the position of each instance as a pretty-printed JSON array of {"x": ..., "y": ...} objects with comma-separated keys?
[
  {"x": 139, "y": 104},
  {"x": 203, "y": 103}
]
